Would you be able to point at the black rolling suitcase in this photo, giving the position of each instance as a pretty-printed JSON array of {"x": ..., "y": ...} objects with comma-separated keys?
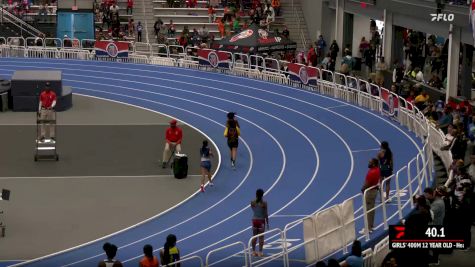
[{"x": 180, "y": 166}]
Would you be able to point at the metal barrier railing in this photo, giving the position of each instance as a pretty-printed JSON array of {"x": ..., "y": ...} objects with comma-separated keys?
[
  {"x": 239, "y": 243},
  {"x": 328, "y": 83},
  {"x": 262, "y": 260},
  {"x": 174, "y": 264}
]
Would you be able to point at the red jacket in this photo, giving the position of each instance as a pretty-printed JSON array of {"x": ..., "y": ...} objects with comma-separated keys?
[
  {"x": 174, "y": 135},
  {"x": 373, "y": 177},
  {"x": 47, "y": 98}
]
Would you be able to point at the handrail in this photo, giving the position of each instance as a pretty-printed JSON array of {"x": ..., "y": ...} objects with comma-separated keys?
[
  {"x": 225, "y": 247},
  {"x": 408, "y": 115},
  {"x": 173, "y": 264},
  {"x": 20, "y": 23},
  {"x": 249, "y": 243}
]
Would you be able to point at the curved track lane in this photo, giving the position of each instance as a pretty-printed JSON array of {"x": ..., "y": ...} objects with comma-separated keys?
[{"x": 307, "y": 151}]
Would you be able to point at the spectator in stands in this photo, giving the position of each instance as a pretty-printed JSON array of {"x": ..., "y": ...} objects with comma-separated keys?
[
  {"x": 204, "y": 34},
  {"x": 328, "y": 63},
  {"x": 363, "y": 46},
  {"x": 171, "y": 29},
  {"x": 149, "y": 260},
  {"x": 372, "y": 181},
  {"x": 422, "y": 100},
  {"x": 170, "y": 253},
  {"x": 111, "y": 251},
  {"x": 419, "y": 75},
  {"x": 446, "y": 119},
  {"x": 312, "y": 57},
  {"x": 320, "y": 264},
  {"x": 170, "y": 3},
  {"x": 369, "y": 56},
  {"x": 355, "y": 259},
  {"x": 334, "y": 49},
  {"x": 276, "y": 6},
  {"x": 157, "y": 26},
  {"x": 173, "y": 138},
  {"x": 459, "y": 144},
  {"x": 232, "y": 133},
  {"x": 286, "y": 32},
  {"x": 130, "y": 6},
  {"x": 211, "y": 14},
  {"x": 260, "y": 220},
  {"x": 191, "y": 3},
  {"x": 183, "y": 39},
  {"x": 269, "y": 14},
  {"x": 321, "y": 45},
  {"x": 348, "y": 60},
  {"x": 385, "y": 157},
  {"x": 205, "y": 164},
  {"x": 416, "y": 225},
  {"x": 114, "y": 12},
  {"x": 437, "y": 205},
  {"x": 333, "y": 263},
  {"x": 462, "y": 198},
  {"x": 131, "y": 27},
  {"x": 139, "y": 31},
  {"x": 435, "y": 81},
  {"x": 398, "y": 72}
]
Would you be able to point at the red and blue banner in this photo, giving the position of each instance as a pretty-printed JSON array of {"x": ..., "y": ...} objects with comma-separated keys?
[
  {"x": 302, "y": 74},
  {"x": 390, "y": 103},
  {"x": 111, "y": 49},
  {"x": 215, "y": 59}
]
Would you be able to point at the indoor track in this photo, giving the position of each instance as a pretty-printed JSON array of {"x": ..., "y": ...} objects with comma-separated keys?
[{"x": 305, "y": 150}]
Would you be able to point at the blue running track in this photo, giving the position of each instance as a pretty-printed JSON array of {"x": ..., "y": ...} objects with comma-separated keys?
[{"x": 305, "y": 150}]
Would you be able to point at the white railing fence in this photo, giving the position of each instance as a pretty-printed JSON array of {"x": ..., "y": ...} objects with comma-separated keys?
[{"x": 409, "y": 180}]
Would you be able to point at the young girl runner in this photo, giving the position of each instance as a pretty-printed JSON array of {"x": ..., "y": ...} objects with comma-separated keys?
[
  {"x": 259, "y": 220},
  {"x": 232, "y": 132},
  {"x": 205, "y": 154}
]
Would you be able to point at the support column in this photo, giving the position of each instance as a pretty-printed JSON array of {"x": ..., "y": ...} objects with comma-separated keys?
[
  {"x": 339, "y": 22},
  {"x": 388, "y": 37},
  {"x": 466, "y": 73},
  {"x": 453, "y": 62}
]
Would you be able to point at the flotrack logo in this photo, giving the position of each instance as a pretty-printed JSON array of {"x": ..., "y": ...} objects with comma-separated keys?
[{"x": 442, "y": 17}]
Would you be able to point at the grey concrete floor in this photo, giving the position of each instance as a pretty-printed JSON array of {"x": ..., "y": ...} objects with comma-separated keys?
[{"x": 97, "y": 187}]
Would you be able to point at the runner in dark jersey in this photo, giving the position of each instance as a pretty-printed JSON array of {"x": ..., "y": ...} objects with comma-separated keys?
[{"x": 232, "y": 132}]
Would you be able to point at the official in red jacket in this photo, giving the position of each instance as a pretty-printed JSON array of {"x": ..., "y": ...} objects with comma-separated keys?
[
  {"x": 46, "y": 112},
  {"x": 371, "y": 184},
  {"x": 173, "y": 136}
]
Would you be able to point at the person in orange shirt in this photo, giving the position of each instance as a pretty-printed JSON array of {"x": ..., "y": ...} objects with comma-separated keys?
[
  {"x": 220, "y": 26},
  {"x": 276, "y": 5},
  {"x": 211, "y": 13},
  {"x": 148, "y": 260}
]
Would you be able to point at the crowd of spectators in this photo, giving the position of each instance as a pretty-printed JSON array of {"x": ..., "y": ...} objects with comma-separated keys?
[
  {"x": 237, "y": 15},
  {"x": 28, "y": 9},
  {"x": 107, "y": 12}
]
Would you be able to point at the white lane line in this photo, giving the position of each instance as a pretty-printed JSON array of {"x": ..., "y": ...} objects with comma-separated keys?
[
  {"x": 214, "y": 88},
  {"x": 366, "y": 150},
  {"x": 284, "y": 95},
  {"x": 291, "y": 215},
  {"x": 288, "y": 87},
  {"x": 94, "y": 177},
  {"x": 92, "y": 124},
  {"x": 338, "y": 106},
  {"x": 268, "y": 190},
  {"x": 352, "y": 161},
  {"x": 209, "y": 208},
  {"x": 178, "y": 204}
]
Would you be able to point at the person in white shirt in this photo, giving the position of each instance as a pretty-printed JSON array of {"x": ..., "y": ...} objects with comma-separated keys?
[{"x": 419, "y": 74}]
